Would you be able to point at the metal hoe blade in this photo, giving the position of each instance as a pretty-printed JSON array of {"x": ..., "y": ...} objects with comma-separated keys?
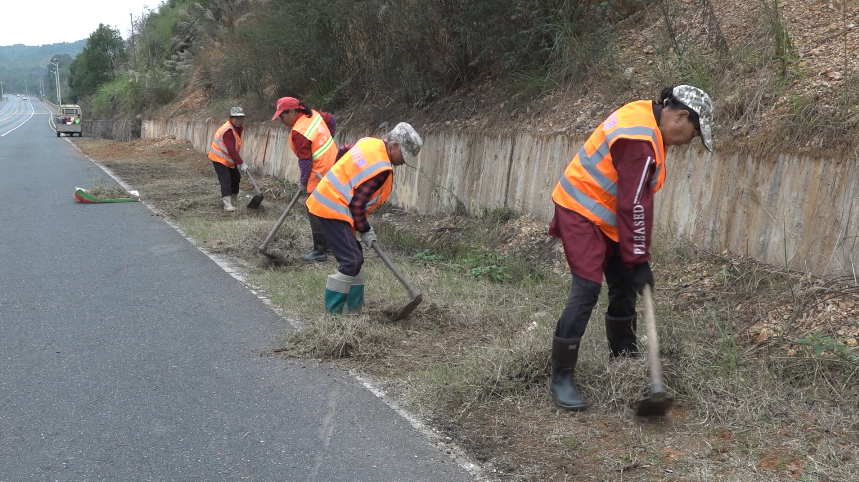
[
  {"x": 407, "y": 310},
  {"x": 656, "y": 405},
  {"x": 257, "y": 199}
]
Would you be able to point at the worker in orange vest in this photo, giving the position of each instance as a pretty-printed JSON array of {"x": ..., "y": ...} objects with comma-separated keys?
[
  {"x": 604, "y": 218},
  {"x": 312, "y": 140},
  {"x": 225, "y": 157},
  {"x": 357, "y": 184}
]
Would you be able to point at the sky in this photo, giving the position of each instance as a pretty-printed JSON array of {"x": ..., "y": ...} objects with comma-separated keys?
[{"x": 52, "y": 21}]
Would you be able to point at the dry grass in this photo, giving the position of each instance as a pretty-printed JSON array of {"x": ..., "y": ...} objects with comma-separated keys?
[
  {"x": 102, "y": 190},
  {"x": 473, "y": 359}
]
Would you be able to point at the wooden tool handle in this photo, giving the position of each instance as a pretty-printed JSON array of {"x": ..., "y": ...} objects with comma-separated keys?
[
  {"x": 413, "y": 293},
  {"x": 280, "y": 220},
  {"x": 652, "y": 343}
]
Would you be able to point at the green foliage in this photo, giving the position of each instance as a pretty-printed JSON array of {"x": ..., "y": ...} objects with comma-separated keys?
[
  {"x": 20, "y": 64},
  {"x": 489, "y": 266},
  {"x": 328, "y": 50},
  {"x": 132, "y": 92},
  {"x": 428, "y": 256},
  {"x": 819, "y": 344},
  {"x": 98, "y": 63},
  {"x": 120, "y": 95},
  {"x": 154, "y": 39}
]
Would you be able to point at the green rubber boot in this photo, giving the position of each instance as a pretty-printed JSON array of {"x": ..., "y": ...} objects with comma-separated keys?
[
  {"x": 336, "y": 292},
  {"x": 355, "y": 299}
]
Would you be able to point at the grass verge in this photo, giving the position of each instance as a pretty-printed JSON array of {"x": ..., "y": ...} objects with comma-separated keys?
[{"x": 760, "y": 360}]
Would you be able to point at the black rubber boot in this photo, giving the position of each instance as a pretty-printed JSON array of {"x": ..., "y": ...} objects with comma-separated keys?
[
  {"x": 565, "y": 354},
  {"x": 320, "y": 248},
  {"x": 620, "y": 333}
]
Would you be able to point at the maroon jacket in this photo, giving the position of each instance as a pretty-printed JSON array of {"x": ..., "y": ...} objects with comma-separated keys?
[
  {"x": 230, "y": 144},
  {"x": 586, "y": 247}
]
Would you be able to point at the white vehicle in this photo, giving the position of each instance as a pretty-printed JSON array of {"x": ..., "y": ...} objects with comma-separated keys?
[{"x": 68, "y": 120}]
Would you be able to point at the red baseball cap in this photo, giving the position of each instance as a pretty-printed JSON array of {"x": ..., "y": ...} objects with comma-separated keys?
[{"x": 285, "y": 103}]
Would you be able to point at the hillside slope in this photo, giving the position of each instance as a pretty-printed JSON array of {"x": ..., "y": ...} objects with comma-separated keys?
[
  {"x": 814, "y": 106},
  {"x": 25, "y": 63}
]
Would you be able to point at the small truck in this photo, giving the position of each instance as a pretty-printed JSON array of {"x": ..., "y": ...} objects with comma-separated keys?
[{"x": 68, "y": 120}]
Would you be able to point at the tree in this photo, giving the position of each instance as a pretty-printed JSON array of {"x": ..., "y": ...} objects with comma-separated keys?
[{"x": 98, "y": 63}]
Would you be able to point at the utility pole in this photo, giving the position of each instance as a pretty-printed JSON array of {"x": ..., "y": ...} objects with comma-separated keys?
[{"x": 56, "y": 64}]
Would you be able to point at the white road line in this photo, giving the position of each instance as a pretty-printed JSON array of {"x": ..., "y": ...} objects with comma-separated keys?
[
  {"x": 51, "y": 116},
  {"x": 19, "y": 125}
]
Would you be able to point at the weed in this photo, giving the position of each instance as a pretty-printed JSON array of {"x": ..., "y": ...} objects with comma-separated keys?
[
  {"x": 729, "y": 351},
  {"x": 428, "y": 256},
  {"x": 821, "y": 345},
  {"x": 783, "y": 50},
  {"x": 489, "y": 266}
]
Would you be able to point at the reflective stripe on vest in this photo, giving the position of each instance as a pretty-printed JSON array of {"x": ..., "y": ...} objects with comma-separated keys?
[
  {"x": 324, "y": 150},
  {"x": 218, "y": 151},
  {"x": 331, "y": 198},
  {"x": 309, "y": 133},
  {"x": 589, "y": 183}
]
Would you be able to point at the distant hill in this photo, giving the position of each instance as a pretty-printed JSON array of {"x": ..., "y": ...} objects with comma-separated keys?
[{"x": 26, "y": 63}]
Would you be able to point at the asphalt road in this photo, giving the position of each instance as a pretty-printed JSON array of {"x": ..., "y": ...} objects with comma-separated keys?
[{"x": 126, "y": 354}]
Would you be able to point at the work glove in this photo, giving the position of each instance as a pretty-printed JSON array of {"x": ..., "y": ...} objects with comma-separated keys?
[
  {"x": 244, "y": 167},
  {"x": 368, "y": 237},
  {"x": 303, "y": 187},
  {"x": 642, "y": 275}
]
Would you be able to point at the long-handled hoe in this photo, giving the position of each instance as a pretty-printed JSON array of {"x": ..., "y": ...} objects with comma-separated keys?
[
  {"x": 658, "y": 403},
  {"x": 262, "y": 249},
  {"x": 257, "y": 199},
  {"x": 415, "y": 297}
]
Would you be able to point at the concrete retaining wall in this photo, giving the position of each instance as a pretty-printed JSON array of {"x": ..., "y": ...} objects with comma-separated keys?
[
  {"x": 118, "y": 130},
  {"x": 781, "y": 209}
]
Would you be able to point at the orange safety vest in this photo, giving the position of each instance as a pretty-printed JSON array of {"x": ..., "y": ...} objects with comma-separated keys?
[
  {"x": 321, "y": 145},
  {"x": 367, "y": 158},
  {"x": 589, "y": 184},
  {"x": 218, "y": 151}
]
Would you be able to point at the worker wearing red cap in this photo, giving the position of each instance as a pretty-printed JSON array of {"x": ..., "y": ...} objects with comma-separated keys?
[{"x": 312, "y": 141}]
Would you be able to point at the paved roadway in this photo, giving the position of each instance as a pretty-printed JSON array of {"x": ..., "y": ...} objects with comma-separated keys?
[{"x": 126, "y": 354}]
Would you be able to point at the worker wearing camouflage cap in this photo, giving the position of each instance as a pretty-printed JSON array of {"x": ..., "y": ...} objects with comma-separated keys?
[
  {"x": 359, "y": 182},
  {"x": 604, "y": 218}
]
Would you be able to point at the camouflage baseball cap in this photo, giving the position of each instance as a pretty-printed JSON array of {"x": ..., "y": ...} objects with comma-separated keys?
[
  {"x": 410, "y": 141},
  {"x": 698, "y": 100},
  {"x": 237, "y": 112}
]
